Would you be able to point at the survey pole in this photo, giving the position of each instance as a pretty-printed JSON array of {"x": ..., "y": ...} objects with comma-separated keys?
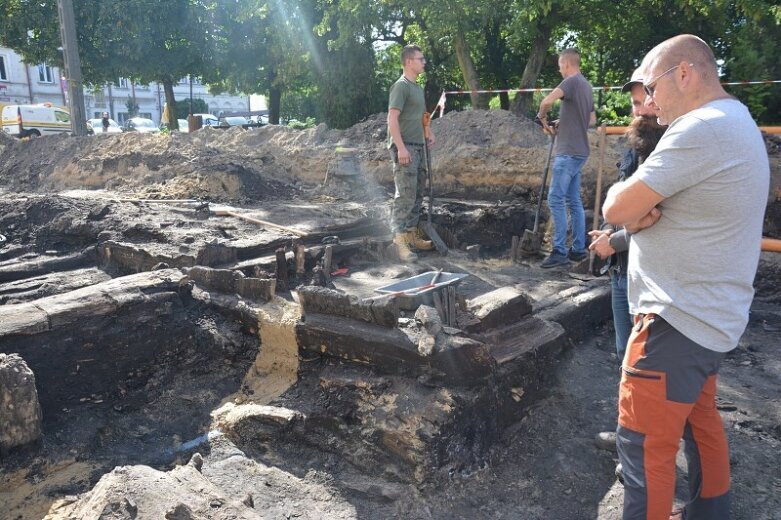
[{"x": 70, "y": 52}]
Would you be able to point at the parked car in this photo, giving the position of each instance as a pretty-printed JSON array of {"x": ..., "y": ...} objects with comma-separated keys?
[
  {"x": 234, "y": 121},
  {"x": 209, "y": 119},
  {"x": 95, "y": 126},
  {"x": 140, "y": 124},
  {"x": 34, "y": 120}
]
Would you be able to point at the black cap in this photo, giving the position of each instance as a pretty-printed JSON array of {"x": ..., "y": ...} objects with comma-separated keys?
[{"x": 637, "y": 79}]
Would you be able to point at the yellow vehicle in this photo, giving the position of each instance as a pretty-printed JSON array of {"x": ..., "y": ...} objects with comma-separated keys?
[{"x": 35, "y": 120}]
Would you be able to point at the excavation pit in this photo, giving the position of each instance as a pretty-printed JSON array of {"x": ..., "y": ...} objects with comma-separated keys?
[{"x": 208, "y": 358}]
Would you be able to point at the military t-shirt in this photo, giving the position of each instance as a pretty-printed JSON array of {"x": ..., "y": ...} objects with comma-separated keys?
[{"x": 408, "y": 97}]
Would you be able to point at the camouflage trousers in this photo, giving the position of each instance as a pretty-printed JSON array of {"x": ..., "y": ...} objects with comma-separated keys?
[{"x": 410, "y": 180}]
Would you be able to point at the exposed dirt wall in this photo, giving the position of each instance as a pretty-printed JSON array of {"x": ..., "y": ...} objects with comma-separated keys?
[{"x": 490, "y": 154}]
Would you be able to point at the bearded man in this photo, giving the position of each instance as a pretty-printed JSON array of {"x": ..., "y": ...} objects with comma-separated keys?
[{"x": 612, "y": 242}]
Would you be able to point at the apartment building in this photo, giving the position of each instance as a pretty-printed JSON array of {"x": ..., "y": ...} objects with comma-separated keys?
[{"x": 22, "y": 83}]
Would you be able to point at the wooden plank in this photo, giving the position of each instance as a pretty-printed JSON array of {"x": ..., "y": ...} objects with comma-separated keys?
[
  {"x": 451, "y": 303},
  {"x": 282, "y": 280},
  {"x": 327, "y": 259},
  {"x": 226, "y": 213}
]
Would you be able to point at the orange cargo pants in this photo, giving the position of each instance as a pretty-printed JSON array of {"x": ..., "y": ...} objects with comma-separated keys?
[{"x": 668, "y": 392}]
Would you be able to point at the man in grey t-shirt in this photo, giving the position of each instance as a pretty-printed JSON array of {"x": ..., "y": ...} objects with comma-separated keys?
[
  {"x": 572, "y": 150},
  {"x": 695, "y": 208}
]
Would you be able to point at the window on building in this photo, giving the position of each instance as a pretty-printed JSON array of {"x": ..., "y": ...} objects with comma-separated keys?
[
  {"x": 147, "y": 115},
  {"x": 45, "y": 74},
  {"x": 3, "y": 69},
  {"x": 122, "y": 83},
  {"x": 100, "y": 98},
  {"x": 122, "y": 117}
]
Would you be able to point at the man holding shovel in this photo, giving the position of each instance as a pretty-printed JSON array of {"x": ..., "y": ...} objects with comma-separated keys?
[
  {"x": 572, "y": 150},
  {"x": 407, "y": 146}
]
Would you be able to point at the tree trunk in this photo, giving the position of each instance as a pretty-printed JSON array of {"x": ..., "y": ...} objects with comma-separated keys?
[
  {"x": 274, "y": 105},
  {"x": 434, "y": 85},
  {"x": 468, "y": 70},
  {"x": 168, "y": 88},
  {"x": 523, "y": 100},
  {"x": 494, "y": 62},
  {"x": 504, "y": 100}
]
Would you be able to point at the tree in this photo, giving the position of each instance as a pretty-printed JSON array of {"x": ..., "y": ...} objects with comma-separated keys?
[
  {"x": 144, "y": 40},
  {"x": 158, "y": 41},
  {"x": 132, "y": 107},
  {"x": 199, "y": 107},
  {"x": 261, "y": 48}
]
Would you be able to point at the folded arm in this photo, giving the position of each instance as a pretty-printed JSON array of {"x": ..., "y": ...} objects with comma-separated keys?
[{"x": 632, "y": 204}]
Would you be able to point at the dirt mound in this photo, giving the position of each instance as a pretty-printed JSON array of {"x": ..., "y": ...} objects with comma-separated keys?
[
  {"x": 487, "y": 151},
  {"x": 479, "y": 154}
]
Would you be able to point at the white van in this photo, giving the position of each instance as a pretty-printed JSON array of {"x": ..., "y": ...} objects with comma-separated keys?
[{"x": 35, "y": 120}]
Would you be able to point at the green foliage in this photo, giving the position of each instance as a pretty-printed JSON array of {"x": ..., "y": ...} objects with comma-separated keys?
[
  {"x": 309, "y": 122},
  {"x": 754, "y": 56},
  {"x": 183, "y": 107},
  {"x": 132, "y": 107},
  {"x": 335, "y": 60},
  {"x": 299, "y": 104},
  {"x": 615, "y": 110}
]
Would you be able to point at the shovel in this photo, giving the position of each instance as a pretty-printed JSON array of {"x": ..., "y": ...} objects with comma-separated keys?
[
  {"x": 532, "y": 239},
  {"x": 428, "y": 225}
]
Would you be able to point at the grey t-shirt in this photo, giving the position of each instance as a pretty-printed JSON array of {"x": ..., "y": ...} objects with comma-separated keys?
[
  {"x": 574, "y": 115},
  {"x": 695, "y": 267}
]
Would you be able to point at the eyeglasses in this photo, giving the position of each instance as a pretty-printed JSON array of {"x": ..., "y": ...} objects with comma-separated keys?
[{"x": 650, "y": 87}]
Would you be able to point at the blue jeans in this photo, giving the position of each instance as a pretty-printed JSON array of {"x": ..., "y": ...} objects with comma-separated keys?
[
  {"x": 565, "y": 194},
  {"x": 622, "y": 320}
]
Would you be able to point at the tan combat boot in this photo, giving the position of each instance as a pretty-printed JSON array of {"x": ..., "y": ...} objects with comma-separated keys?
[
  {"x": 416, "y": 240},
  {"x": 401, "y": 241}
]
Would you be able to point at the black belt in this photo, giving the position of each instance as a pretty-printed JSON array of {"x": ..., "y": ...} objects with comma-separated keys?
[{"x": 420, "y": 145}]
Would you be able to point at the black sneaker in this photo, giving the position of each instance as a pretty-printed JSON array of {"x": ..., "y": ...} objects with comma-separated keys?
[
  {"x": 577, "y": 257},
  {"x": 554, "y": 260}
]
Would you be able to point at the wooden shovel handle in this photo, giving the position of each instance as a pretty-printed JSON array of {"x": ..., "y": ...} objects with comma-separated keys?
[
  {"x": 226, "y": 213},
  {"x": 771, "y": 244}
]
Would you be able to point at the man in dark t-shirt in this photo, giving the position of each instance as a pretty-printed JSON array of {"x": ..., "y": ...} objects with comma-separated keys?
[{"x": 572, "y": 150}]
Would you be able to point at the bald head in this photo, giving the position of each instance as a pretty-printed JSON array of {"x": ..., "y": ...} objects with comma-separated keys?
[
  {"x": 680, "y": 76},
  {"x": 684, "y": 48}
]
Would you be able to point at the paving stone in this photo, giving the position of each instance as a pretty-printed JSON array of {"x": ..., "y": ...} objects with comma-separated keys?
[
  {"x": 20, "y": 412},
  {"x": 23, "y": 318},
  {"x": 498, "y": 308}
]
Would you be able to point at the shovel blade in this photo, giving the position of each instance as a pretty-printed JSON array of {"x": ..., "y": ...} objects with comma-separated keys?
[
  {"x": 530, "y": 243},
  {"x": 439, "y": 244}
]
